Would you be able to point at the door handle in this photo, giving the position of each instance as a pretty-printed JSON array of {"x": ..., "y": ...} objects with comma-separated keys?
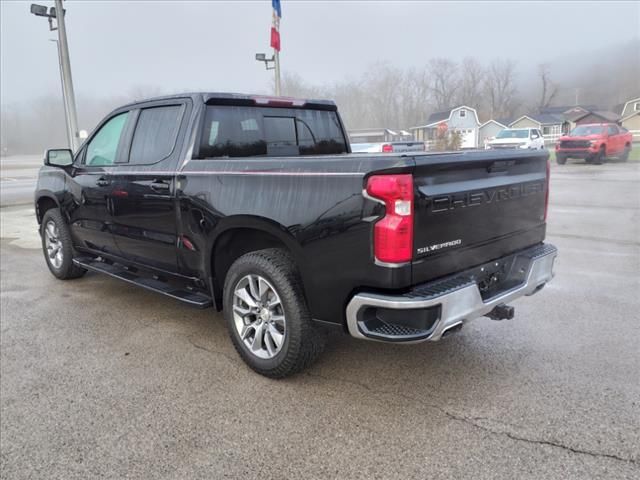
[
  {"x": 102, "y": 182},
  {"x": 159, "y": 186}
]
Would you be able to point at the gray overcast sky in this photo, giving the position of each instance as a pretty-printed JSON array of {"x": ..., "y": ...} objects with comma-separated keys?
[{"x": 118, "y": 45}]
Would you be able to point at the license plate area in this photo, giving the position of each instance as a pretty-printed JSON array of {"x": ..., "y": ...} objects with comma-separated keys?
[{"x": 499, "y": 276}]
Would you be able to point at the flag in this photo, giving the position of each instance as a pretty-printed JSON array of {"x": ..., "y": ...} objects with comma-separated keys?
[
  {"x": 275, "y": 27},
  {"x": 276, "y": 7},
  {"x": 275, "y": 38}
]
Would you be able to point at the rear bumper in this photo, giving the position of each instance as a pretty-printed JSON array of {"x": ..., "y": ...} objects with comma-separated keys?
[{"x": 430, "y": 310}]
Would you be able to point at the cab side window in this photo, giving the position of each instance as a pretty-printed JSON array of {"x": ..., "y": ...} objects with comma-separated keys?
[
  {"x": 156, "y": 134},
  {"x": 103, "y": 147},
  {"x": 613, "y": 130}
]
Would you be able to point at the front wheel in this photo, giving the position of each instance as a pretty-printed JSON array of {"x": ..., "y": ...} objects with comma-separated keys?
[
  {"x": 598, "y": 158},
  {"x": 57, "y": 246},
  {"x": 561, "y": 159},
  {"x": 267, "y": 315}
]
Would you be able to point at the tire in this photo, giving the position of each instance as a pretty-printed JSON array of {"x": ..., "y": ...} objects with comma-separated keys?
[
  {"x": 598, "y": 158},
  {"x": 264, "y": 302},
  {"x": 561, "y": 159},
  {"x": 57, "y": 246},
  {"x": 625, "y": 154}
]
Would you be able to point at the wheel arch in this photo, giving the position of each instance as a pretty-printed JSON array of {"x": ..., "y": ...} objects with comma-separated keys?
[
  {"x": 45, "y": 201},
  {"x": 240, "y": 235}
]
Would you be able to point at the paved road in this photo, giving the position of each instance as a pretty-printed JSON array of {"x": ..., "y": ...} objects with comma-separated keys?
[
  {"x": 100, "y": 380},
  {"x": 18, "y": 178}
]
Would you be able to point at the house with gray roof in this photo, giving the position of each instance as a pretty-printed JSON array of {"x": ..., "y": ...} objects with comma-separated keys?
[
  {"x": 462, "y": 120},
  {"x": 551, "y": 125},
  {"x": 488, "y": 130}
]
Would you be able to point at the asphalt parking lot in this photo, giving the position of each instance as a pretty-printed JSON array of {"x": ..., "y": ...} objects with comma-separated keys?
[{"x": 101, "y": 380}]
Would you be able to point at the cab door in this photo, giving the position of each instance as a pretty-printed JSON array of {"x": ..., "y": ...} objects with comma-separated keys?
[
  {"x": 614, "y": 142},
  {"x": 144, "y": 200},
  {"x": 91, "y": 186}
]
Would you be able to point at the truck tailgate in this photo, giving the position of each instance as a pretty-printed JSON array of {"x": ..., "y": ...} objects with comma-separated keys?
[{"x": 473, "y": 207}]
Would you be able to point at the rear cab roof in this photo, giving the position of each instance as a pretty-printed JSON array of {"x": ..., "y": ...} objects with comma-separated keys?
[{"x": 224, "y": 98}]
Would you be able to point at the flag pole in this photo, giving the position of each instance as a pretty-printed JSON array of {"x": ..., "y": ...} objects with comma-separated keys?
[
  {"x": 275, "y": 41},
  {"x": 276, "y": 56}
]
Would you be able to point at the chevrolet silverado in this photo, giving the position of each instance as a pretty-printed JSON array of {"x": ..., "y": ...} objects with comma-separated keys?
[{"x": 256, "y": 206}]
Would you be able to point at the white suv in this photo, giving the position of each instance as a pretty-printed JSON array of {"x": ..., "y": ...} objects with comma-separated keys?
[{"x": 517, "y": 138}]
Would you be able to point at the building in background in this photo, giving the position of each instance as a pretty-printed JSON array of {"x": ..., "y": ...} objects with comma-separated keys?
[
  {"x": 378, "y": 135},
  {"x": 462, "y": 119},
  {"x": 550, "y": 125},
  {"x": 488, "y": 130},
  {"x": 630, "y": 118}
]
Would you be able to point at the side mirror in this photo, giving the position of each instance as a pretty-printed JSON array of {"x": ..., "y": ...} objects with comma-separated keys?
[
  {"x": 534, "y": 136},
  {"x": 58, "y": 157}
]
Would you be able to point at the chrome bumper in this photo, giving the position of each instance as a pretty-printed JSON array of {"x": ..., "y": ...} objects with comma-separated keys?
[{"x": 459, "y": 298}]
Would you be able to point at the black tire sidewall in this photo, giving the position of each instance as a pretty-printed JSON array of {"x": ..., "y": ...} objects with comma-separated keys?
[
  {"x": 275, "y": 271},
  {"x": 67, "y": 269},
  {"x": 625, "y": 154}
]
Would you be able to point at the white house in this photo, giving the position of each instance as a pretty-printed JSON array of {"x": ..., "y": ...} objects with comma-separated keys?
[{"x": 462, "y": 119}]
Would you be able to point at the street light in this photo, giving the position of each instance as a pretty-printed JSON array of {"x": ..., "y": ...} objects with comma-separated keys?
[
  {"x": 65, "y": 68},
  {"x": 269, "y": 63}
]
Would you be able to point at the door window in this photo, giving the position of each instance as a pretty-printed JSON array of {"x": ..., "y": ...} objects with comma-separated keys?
[
  {"x": 155, "y": 135},
  {"x": 613, "y": 130},
  {"x": 103, "y": 147}
]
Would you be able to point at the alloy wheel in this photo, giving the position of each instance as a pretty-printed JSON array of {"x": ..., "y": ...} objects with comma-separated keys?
[
  {"x": 53, "y": 244},
  {"x": 258, "y": 316}
]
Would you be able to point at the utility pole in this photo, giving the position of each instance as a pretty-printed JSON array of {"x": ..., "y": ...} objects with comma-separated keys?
[
  {"x": 64, "y": 100},
  {"x": 67, "y": 82},
  {"x": 68, "y": 94}
]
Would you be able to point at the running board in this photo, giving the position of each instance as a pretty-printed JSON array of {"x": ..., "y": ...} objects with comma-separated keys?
[{"x": 192, "y": 297}]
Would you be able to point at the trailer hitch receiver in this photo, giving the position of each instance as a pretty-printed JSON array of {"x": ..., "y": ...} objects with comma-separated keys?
[{"x": 501, "y": 312}]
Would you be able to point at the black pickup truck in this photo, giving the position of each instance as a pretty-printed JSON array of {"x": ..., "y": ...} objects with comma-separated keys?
[{"x": 256, "y": 205}]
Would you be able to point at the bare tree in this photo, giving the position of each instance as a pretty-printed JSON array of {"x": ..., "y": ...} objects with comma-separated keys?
[
  {"x": 500, "y": 88},
  {"x": 444, "y": 82},
  {"x": 415, "y": 97},
  {"x": 549, "y": 89},
  {"x": 381, "y": 82},
  {"x": 472, "y": 76}
]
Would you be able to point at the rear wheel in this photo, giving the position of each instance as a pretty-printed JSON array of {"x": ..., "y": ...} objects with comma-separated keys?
[
  {"x": 625, "y": 154},
  {"x": 561, "y": 159},
  {"x": 57, "y": 246},
  {"x": 267, "y": 315}
]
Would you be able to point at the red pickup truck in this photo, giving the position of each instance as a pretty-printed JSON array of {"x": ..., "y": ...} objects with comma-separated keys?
[{"x": 595, "y": 143}]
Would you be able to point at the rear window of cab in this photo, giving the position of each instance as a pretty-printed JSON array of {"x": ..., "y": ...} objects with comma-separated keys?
[{"x": 242, "y": 131}]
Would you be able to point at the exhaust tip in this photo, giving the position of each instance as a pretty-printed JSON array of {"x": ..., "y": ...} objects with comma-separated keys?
[{"x": 456, "y": 327}]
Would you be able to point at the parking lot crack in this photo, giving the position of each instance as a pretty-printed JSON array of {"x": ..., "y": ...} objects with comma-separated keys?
[
  {"x": 231, "y": 359},
  {"x": 519, "y": 438},
  {"x": 475, "y": 421}
]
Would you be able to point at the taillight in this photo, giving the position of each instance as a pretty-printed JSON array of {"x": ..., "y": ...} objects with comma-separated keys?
[
  {"x": 393, "y": 234},
  {"x": 546, "y": 193},
  {"x": 387, "y": 148},
  {"x": 278, "y": 101}
]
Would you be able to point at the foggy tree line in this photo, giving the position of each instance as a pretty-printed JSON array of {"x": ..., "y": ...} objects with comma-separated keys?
[
  {"x": 383, "y": 95},
  {"x": 391, "y": 97}
]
